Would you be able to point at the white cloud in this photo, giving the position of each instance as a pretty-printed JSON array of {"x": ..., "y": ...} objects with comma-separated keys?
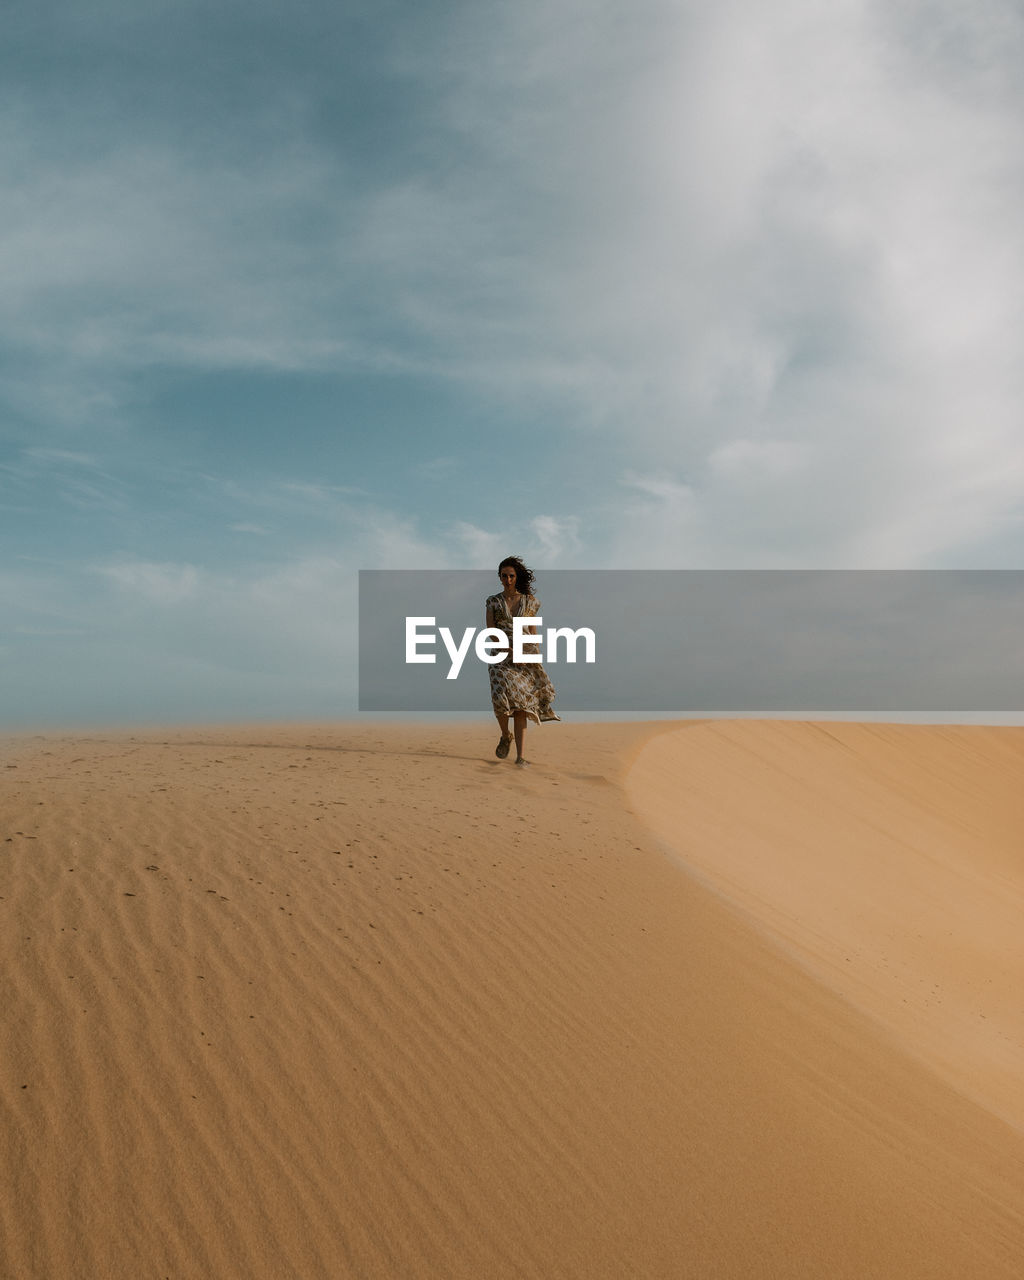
[
  {"x": 552, "y": 541},
  {"x": 765, "y": 251},
  {"x": 43, "y": 457},
  {"x": 158, "y": 584},
  {"x": 478, "y": 548},
  {"x": 784, "y": 244},
  {"x": 556, "y": 538},
  {"x": 660, "y": 486},
  {"x": 441, "y": 470},
  {"x": 754, "y": 461},
  {"x": 69, "y": 476}
]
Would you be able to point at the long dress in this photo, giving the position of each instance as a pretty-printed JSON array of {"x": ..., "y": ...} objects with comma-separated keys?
[{"x": 520, "y": 686}]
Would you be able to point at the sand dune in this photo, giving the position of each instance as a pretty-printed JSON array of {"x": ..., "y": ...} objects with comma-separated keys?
[
  {"x": 355, "y": 1001},
  {"x": 888, "y": 859}
]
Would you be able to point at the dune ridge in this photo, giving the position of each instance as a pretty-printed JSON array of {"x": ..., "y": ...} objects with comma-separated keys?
[{"x": 360, "y": 1001}]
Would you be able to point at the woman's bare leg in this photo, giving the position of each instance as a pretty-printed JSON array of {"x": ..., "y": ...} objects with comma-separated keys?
[{"x": 520, "y": 732}]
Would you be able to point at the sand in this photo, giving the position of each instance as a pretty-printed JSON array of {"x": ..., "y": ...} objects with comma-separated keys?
[
  {"x": 888, "y": 860},
  {"x": 722, "y": 1000}
]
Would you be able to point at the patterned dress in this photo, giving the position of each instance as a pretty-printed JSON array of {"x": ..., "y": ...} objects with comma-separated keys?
[{"x": 524, "y": 686}]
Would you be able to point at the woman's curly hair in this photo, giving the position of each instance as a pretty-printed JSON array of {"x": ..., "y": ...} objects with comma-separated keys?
[{"x": 524, "y": 576}]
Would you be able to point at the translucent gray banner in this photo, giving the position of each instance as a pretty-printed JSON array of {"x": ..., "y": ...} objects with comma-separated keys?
[{"x": 724, "y": 641}]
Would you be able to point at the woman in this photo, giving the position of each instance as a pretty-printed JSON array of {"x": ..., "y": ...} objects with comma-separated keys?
[{"x": 522, "y": 691}]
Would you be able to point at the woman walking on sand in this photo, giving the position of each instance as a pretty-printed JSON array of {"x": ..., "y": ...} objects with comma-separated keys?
[{"x": 522, "y": 691}]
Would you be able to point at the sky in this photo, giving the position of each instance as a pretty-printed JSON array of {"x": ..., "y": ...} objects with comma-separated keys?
[{"x": 295, "y": 290}]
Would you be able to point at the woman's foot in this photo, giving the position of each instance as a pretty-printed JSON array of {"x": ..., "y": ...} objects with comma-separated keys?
[
  {"x": 501, "y": 750},
  {"x": 522, "y": 762}
]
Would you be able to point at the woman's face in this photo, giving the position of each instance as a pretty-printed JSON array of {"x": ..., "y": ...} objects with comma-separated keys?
[{"x": 508, "y": 576}]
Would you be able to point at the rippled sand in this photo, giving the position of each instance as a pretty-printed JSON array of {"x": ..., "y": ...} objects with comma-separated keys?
[{"x": 362, "y": 1001}]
